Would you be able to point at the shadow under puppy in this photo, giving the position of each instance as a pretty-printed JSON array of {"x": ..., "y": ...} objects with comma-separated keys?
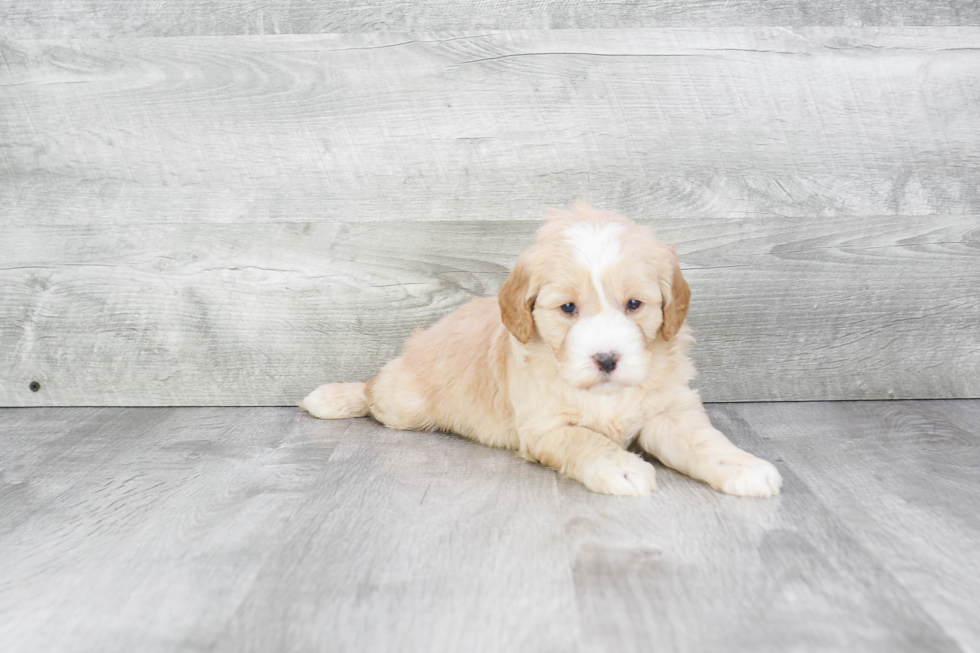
[{"x": 583, "y": 352}]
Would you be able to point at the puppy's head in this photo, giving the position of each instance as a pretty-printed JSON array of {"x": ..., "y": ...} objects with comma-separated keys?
[{"x": 600, "y": 291}]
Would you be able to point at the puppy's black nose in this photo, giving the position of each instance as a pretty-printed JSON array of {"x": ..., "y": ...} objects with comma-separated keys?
[{"x": 606, "y": 362}]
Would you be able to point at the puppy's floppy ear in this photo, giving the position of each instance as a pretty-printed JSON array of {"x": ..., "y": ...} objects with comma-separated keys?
[
  {"x": 517, "y": 302},
  {"x": 676, "y": 301}
]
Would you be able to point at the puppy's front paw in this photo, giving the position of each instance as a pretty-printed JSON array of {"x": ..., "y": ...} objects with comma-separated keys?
[
  {"x": 746, "y": 476},
  {"x": 625, "y": 474}
]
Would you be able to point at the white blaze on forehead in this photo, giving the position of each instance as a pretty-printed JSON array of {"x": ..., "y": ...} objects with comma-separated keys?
[{"x": 596, "y": 247}]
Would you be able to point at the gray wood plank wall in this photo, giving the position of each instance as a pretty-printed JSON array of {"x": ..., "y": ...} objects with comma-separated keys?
[
  {"x": 201, "y": 219},
  {"x": 112, "y": 18}
]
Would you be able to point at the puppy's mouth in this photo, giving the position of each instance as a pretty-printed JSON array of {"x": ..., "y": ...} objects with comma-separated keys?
[
  {"x": 600, "y": 384},
  {"x": 586, "y": 377},
  {"x": 606, "y": 386},
  {"x": 606, "y": 383}
]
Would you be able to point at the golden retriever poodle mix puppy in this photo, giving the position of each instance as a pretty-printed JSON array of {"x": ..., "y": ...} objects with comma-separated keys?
[{"x": 582, "y": 353}]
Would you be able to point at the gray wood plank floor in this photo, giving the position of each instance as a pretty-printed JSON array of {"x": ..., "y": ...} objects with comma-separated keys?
[{"x": 261, "y": 529}]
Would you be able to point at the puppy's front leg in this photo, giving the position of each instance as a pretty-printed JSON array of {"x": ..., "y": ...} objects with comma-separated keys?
[
  {"x": 681, "y": 436},
  {"x": 590, "y": 458}
]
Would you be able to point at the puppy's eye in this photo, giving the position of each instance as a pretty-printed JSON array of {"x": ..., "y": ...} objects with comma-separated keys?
[
  {"x": 633, "y": 304},
  {"x": 569, "y": 308}
]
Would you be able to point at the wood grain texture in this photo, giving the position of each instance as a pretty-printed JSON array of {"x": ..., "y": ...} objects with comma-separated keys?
[
  {"x": 213, "y": 220},
  {"x": 709, "y": 572},
  {"x": 257, "y": 529},
  {"x": 113, "y": 18},
  {"x": 180, "y": 508},
  {"x": 676, "y": 122},
  {"x": 220, "y": 314},
  {"x": 907, "y": 472},
  {"x": 387, "y": 557}
]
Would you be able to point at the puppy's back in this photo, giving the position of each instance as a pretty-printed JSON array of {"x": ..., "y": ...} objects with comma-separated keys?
[{"x": 460, "y": 365}]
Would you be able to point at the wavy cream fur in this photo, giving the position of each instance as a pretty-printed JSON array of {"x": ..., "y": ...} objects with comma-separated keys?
[{"x": 517, "y": 372}]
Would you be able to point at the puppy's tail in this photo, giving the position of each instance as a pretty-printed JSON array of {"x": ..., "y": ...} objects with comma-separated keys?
[{"x": 337, "y": 401}]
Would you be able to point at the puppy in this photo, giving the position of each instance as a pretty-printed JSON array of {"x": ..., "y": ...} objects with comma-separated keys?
[{"x": 582, "y": 353}]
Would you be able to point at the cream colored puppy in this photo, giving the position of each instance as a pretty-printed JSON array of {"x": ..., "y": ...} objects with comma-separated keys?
[{"x": 583, "y": 352}]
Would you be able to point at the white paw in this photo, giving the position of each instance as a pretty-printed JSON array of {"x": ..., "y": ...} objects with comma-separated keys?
[
  {"x": 624, "y": 475},
  {"x": 746, "y": 476}
]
